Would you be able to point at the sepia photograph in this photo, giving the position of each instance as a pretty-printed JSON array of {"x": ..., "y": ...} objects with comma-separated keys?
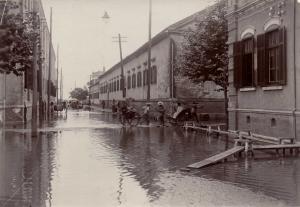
[{"x": 149, "y": 103}]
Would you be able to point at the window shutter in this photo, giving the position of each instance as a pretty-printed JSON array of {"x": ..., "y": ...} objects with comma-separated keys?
[
  {"x": 261, "y": 61},
  {"x": 253, "y": 71},
  {"x": 237, "y": 56},
  {"x": 282, "y": 57}
]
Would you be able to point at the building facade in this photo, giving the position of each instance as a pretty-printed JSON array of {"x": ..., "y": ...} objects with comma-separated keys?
[
  {"x": 94, "y": 88},
  {"x": 16, "y": 91},
  {"x": 264, "y": 71},
  {"x": 165, "y": 85}
]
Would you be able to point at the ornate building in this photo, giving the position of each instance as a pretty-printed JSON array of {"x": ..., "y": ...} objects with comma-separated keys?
[{"x": 264, "y": 69}]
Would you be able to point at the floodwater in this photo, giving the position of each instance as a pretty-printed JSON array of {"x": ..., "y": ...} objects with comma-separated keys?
[{"x": 88, "y": 159}]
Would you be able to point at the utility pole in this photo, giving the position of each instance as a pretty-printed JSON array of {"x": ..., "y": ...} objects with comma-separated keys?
[
  {"x": 90, "y": 89},
  {"x": 49, "y": 66},
  {"x": 149, "y": 52},
  {"x": 4, "y": 77},
  {"x": 61, "y": 84},
  {"x": 34, "y": 82},
  {"x": 121, "y": 63},
  {"x": 57, "y": 74},
  {"x": 40, "y": 76}
]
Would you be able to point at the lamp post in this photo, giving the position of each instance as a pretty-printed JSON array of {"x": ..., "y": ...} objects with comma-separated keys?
[
  {"x": 35, "y": 66},
  {"x": 149, "y": 52},
  {"x": 4, "y": 76},
  {"x": 49, "y": 68}
]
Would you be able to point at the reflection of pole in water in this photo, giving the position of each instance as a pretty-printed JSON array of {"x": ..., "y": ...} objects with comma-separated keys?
[{"x": 121, "y": 179}]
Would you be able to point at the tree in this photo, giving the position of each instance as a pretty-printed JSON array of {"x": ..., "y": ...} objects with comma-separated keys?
[
  {"x": 17, "y": 38},
  {"x": 79, "y": 93},
  {"x": 204, "y": 56}
]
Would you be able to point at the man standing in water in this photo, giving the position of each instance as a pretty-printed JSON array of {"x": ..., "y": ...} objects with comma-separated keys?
[{"x": 161, "y": 110}]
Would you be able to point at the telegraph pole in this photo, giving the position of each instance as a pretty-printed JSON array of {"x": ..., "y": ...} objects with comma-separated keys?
[
  {"x": 61, "y": 85},
  {"x": 49, "y": 66},
  {"x": 57, "y": 66},
  {"x": 122, "y": 68},
  {"x": 34, "y": 82},
  {"x": 121, "y": 63},
  {"x": 4, "y": 77},
  {"x": 149, "y": 52}
]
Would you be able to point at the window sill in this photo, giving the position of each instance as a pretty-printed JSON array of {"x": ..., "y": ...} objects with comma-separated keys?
[
  {"x": 246, "y": 89},
  {"x": 272, "y": 88}
]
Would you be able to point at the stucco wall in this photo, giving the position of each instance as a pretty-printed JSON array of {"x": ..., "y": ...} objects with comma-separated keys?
[{"x": 160, "y": 54}]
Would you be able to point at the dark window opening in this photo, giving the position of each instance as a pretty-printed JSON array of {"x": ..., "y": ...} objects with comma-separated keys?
[
  {"x": 247, "y": 63},
  {"x": 153, "y": 75},
  {"x": 248, "y": 119},
  {"x": 129, "y": 82},
  {"x": 145, "y": 78},
  {"x": 133, "y": 80},
  {"x": 139, "y": 79},
  {"x": 273, "y": 122}
]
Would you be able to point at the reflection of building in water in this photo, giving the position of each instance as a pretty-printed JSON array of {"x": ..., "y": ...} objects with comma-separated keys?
[
  {"x": 146, "y": 153},
  {"x": 26, "y": 167}
]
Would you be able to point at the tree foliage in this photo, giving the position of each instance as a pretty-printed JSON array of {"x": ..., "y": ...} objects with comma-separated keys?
[
  {"x": 18, "y": 34},
  {"x": 79, "y": 93},
  {"x": 204, "y": 56}
]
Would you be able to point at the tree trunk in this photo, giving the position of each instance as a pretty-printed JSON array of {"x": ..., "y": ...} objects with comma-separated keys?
[
  {"x": 226, "y": 117},
  {"x": 226, "y": 108}
]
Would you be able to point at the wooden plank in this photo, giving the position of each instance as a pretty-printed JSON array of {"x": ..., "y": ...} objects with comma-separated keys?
[
  {"x": 221, "y": 124},
  {"x": 277, "y": 146},
  {"x": 217, "y": 157},
  {"x": 266, "y": 137},
  {"x": 259, "y": 139}
]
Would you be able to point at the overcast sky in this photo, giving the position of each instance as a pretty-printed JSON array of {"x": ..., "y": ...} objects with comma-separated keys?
[{"x": 85, "y": 40}]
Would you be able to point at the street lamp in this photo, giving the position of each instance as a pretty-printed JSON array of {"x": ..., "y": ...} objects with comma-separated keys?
[{"x": 105, "y": 17}]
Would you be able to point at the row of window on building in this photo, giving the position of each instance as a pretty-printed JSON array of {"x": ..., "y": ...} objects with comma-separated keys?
[{"x": 136, "y": 80}]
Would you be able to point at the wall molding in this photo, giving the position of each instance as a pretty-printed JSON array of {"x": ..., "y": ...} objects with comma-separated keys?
[
  {"x": 249, "y": 31},
  {"x": 247, "y": 89},
  {"x": 270, "y": 22},
  {"x": 264, "y": 111}
]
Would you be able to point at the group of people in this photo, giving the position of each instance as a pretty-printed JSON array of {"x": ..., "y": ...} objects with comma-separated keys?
[{"x": 126, "y": 109}]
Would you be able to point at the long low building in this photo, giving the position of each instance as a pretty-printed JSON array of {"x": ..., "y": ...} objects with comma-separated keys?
[{"x": 165, "y": 85}]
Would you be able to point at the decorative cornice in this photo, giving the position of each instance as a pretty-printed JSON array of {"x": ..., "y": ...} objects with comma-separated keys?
[{"x": 274, "y": 10}]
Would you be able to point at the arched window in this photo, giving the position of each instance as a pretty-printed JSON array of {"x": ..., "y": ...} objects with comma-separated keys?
[
  {"x": 139, "y": 79},
  {"x": 243, "y": 52},
  {"x": 118, "y": 85},
  {"x": 129, "y": 82},
  {"x": 134, "y": 80},
  {"x": 153, "y": 74},
  {"x": 145, "y": 77}
]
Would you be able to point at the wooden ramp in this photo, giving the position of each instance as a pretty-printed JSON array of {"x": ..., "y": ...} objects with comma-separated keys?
[{"x": 217, "y": 158}]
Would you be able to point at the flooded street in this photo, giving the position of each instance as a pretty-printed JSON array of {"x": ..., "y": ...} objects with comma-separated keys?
[{"x": 88, "y": 159}]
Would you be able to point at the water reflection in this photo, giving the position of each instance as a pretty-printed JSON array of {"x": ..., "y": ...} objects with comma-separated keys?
[
  {"x": 115, "y": 166},
  {"x": 25, "y": 168}
]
